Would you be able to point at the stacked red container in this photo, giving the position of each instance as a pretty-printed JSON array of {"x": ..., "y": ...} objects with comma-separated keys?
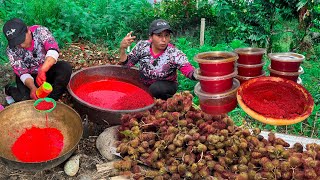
[
  {"x": 250, "y": 63},
  {"x": 286, "y": 65},
  {"x": 217, "y": 86}
]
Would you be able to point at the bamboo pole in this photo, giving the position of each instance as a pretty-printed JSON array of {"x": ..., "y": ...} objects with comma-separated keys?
[{"x": 202, "y": 27}]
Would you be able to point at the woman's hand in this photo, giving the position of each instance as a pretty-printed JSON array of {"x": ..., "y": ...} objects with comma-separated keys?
[
  {"x": 127, "y": 40},
  {"x": 33, "y": 93}
]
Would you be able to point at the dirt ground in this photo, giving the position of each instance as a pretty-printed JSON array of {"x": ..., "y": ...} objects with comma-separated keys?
[{"x": 80, "y": 56}]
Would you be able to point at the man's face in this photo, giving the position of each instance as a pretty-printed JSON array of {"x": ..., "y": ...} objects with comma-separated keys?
[
  {"x": 28, "y": 41},
  {"x": 161, "y": 40}
]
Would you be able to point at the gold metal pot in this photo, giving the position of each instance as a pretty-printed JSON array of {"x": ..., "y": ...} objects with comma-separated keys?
[{"x": 16, "y": 118}]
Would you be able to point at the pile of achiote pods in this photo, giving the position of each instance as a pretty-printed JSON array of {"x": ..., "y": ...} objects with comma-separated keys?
[{"x": 180, "y": 141}]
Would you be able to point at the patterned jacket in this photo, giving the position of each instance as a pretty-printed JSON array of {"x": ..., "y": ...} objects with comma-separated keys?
[
  {"x": 28, "y": 61},
  {"x": 162, "y": 66}
]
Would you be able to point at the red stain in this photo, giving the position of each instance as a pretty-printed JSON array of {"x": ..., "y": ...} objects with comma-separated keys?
[
  {"x": 38, "y": 144},
  {"x": 114, "y": 94},
  {"x": 44, "y": 105}
]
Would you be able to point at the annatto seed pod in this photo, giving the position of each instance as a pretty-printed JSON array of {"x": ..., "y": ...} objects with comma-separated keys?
[
  {"x": 268, "y": 166},
  {"x": 145, "y": 144},
  {"x": 242, "y": 168},
  {"x": 285, "y": 154},
  {"x": 297, "y": 147},
  {"x": 284, "y": 166},
  {"x": 294, "y": 161},
  {"x": 182, "y": 168},
  {"x": 204, "y": 172},
  {"x": 267, "y": 175},
  {"x": 218, "y": 168},
  {"x": 188, "y": 175},
  {"x": 194, "y": 168},
  {"x": 256, "y": 131},
  {"x": 243, "y": 176},
  {"x": 234, "y": 168},
  {"x": 252, "y": 174},
  {"x": 286, "y": 175},
  {"x": 172, "y": 169},
  {"x": 210, "y": 164},
  {"x": 141, "y": 150},
  {"x": 310, "y": 173},
  {"x": 256, "y": 155},
  {"x": 243, "y": 160},
  {"x": 224, "y": 132},
  {"x": 281, "y": 142},
  {"x": 246, "y": 132},
  {"x": 309, "y": 162}
]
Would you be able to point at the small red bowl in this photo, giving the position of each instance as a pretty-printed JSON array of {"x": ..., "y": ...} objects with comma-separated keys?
[
  {"x": 250, "y": 70},
  {"x": 250, "y": 55},
  {"x": 286, "y": 75},
  {"x": 216, "y": 63},
  {"x": 286, "y": 62},
  {"x": 217, "y": 104},
  {"x": 216, "y": 84}
]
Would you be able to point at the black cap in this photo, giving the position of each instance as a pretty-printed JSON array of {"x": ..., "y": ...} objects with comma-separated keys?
[
  {"x": 159, "y": 25},
  {"x": 15, "y": 32}
]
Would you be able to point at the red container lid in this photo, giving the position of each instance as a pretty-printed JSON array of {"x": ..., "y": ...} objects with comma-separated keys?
[
  {"x": 198, "y": 76},
  {"x": 301, "y": 71},
  {"x": 215, "y": 57},
  {"x": 203, "y": 95},
  {"x": 245, "y": 78},
  {"x": 250, "y": 51},
  {"x": 250, "y": 65},
  {"x": 286, "y": 57}
]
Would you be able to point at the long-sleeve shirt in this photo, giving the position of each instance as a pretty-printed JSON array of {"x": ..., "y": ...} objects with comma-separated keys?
[
  {"x": 162, "y": 66},
  {"x": 28, "y": 60}
]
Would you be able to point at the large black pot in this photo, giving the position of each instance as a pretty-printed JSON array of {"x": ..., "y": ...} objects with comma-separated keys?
[{"x": 98, "y": 115}]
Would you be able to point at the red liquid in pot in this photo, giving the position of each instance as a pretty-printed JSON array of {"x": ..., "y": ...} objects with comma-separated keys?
[{"x": 114, "y": 94}]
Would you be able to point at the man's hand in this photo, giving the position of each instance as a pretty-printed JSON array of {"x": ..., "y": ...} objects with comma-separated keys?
[
  {"x": 41, "y": 77},
  {"x": 127, "y": 41},
  {"x": 33, "y": 94}
]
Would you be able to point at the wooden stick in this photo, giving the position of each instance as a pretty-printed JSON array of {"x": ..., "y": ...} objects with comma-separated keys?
[{"x": 203, "y": 22}]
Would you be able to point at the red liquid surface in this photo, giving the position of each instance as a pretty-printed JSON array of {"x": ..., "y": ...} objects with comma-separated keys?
[
  {"x": 250, "y": 58},
  {"x": 216, "y": 86},
  {"x": 285, "y": 66},
  {"x": 114, "y": 94},
  {"x": 216, "y": 69},
  {"x": 38, "y": 144},
  {"x": 218, "y": 106},
  {"x": 44, "y": 105},
  {"x": 244, "y": 71}
]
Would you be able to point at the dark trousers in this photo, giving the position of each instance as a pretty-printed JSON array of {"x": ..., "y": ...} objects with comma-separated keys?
[
  {"x": 163, "y": 89},
  {"x": 58, "y": 76}
]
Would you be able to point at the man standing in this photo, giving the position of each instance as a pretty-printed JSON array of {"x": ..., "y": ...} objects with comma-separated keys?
[
  {"x": 158, "y": 60},
  {"x": 33, "y": 54}
]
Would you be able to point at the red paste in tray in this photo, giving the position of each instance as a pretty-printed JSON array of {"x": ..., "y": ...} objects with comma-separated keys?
[{"x": 274, "y": 99}]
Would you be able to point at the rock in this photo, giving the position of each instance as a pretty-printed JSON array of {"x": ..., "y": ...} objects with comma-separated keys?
[
  {"x": 105, "y": 141},
  {"x": 72, "y": 165}
]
